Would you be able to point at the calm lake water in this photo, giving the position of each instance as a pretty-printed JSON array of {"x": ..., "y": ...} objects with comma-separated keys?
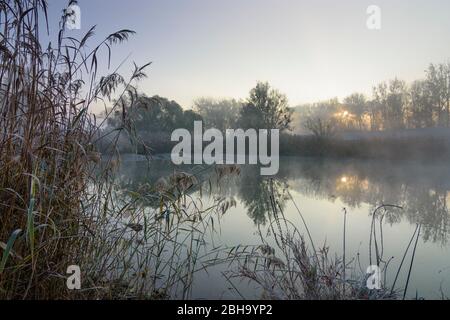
[{"x": 322, "y": 189}]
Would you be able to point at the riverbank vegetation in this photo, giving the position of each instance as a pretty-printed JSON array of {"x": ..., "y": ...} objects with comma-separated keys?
[
  {"x": 47, "y": 153},
  {"x": 61, "y": 203},
  {"x": 398, "y": 122}
]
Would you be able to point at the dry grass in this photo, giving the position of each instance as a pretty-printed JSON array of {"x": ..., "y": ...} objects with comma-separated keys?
[
  {"x": 288, "y": 267},
  {"x": 59, "y": 206},
  {"x": 46, "y": 150}
]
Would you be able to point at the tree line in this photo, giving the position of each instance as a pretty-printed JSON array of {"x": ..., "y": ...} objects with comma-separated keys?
[
  {"x": 394, "y": 105},
  {"x": 265, "y": 108}
]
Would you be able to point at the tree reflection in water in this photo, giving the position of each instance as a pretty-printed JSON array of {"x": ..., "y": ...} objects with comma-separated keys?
[{"x": 423, "y": 190}]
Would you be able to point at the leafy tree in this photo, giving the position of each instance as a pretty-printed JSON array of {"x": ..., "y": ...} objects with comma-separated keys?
[
  {"x": 421, "y": 105},
  {"x": 357, "y": 107},
  {"x": 266, "y": 108},
  {"x": 154, "y": 114},
  {"x": 391, "y": 101},
  {"x": 220, "y": 114},
  {"x": 438, "y": 79},
  {"x": 189, "y": 117},
  {"x": 396, "y": 104},
  {"x": 374, "y": 113},
  {"x": 319, "y": 118}
]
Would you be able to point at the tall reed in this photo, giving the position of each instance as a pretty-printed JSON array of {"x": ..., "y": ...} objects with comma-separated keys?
[{"x": 47, "y": 155}]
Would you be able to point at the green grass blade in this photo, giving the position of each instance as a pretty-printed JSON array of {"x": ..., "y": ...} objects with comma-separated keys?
[
  {"x": 30, "y": 216},
  {"x": 8, "y": 248}
]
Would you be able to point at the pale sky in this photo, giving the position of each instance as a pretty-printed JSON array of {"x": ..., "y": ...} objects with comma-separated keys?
[{"x": 309, "y": 50}]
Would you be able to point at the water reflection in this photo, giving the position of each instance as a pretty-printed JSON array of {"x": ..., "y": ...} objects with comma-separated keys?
[
  {"x": 423, "y": 190},
  {"x": 255, "y": 193}
]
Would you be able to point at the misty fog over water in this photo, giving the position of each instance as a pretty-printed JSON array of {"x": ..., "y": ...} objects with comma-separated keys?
[{"x": 322, "y": 189}]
